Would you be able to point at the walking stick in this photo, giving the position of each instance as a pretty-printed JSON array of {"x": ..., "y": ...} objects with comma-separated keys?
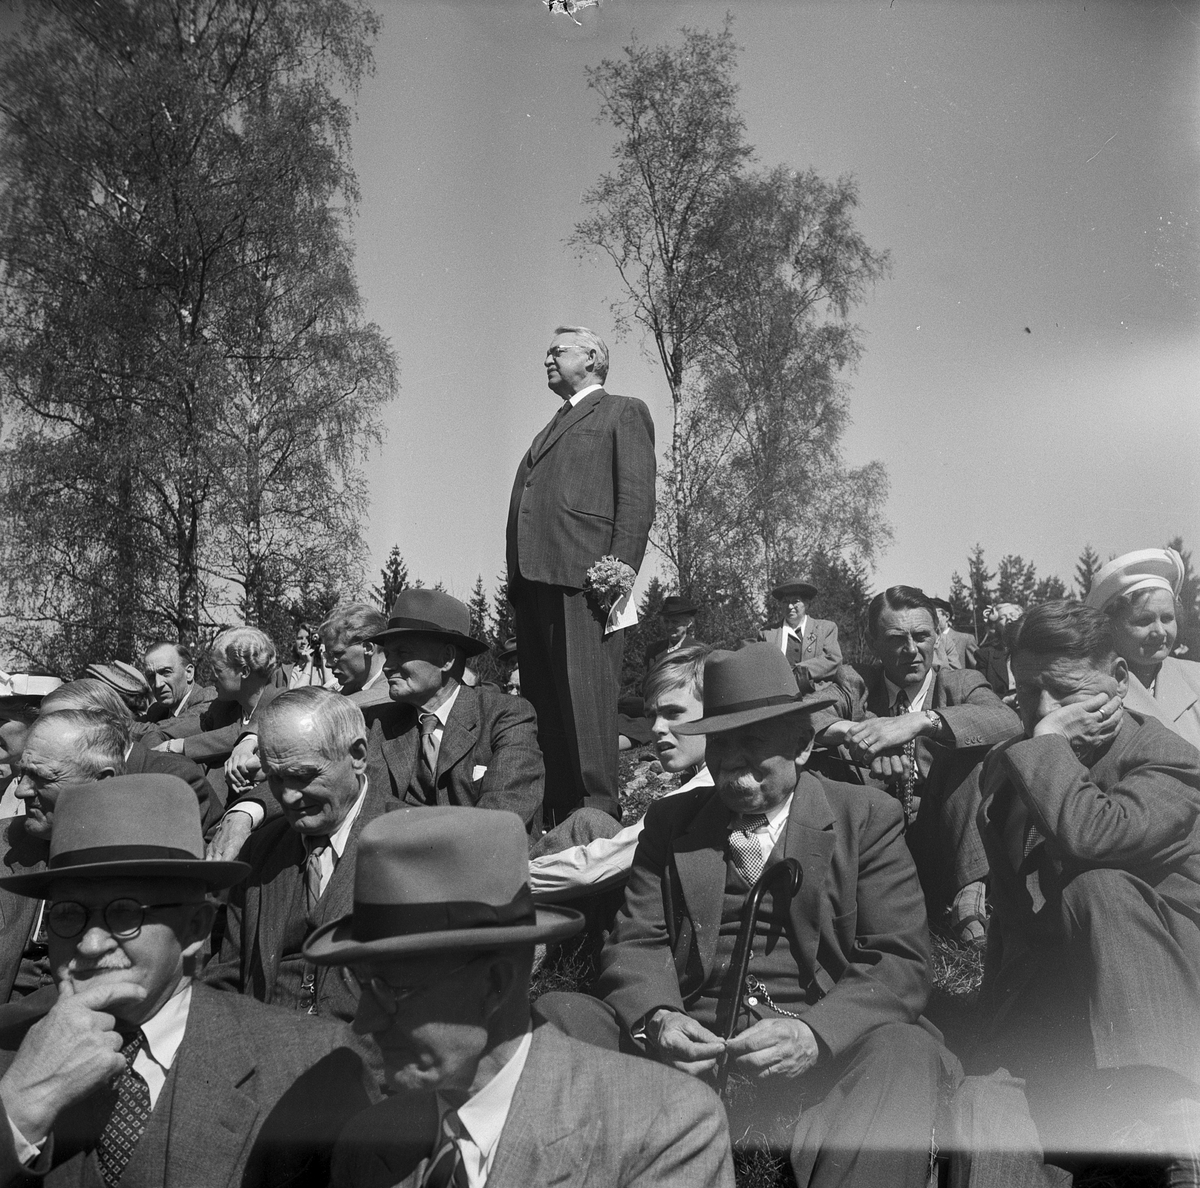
[{"x": 788, "y": 869}]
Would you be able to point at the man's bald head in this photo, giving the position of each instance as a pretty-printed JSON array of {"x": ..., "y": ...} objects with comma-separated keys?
[{"x": 313, "y": 747}]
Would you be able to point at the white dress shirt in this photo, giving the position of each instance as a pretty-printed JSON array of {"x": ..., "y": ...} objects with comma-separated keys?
[
  {"x": 917, "y": 701},
  {"x": 483, "y": 1116},
  {"x": 768, "y": 835},
  {"x": 600, "y": 861}
]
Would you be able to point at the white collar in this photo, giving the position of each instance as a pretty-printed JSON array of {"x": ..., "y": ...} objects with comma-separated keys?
[
  {"x": 374, "y": 680},
  {"x": 442, "y": 713},
  {"x": 179, "y": 706},
  {"x": 574, "y": 400},
  {"x": 798, "y": 632},
  {"x": 916, "y": 702},
  {"x": 702, "y": 779},
  {"x": 339, "y": 837},
  {"x": 483, "y": 1115},
  {"x": 164, "y": 1030}
]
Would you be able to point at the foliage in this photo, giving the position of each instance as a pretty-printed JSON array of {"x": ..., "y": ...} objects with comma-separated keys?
[
  {"x": 393, "y": 578},
  {"x": 1016, "y": 580},
  {"x": 185, "y": 371},
  {"x": 1086, "y": 569},
  {"x": 480, "y": 611}
]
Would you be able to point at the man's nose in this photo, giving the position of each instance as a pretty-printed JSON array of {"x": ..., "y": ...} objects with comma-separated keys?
[
  {"x": 24, "y": 789},
  {"x": 95, "y": 941}
]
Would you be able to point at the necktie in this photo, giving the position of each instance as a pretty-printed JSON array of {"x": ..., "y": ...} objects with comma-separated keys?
[
  {"x": 129, "y": 1117},
  {"x": 908, "y": 781},
  {"x": 540, "y": 443},
  {"x": 316, "y": 847},
  {"x": 744, "y": 847},
  {"x": 446, "y": 1168},
  {"x": 429, "y": 756}
]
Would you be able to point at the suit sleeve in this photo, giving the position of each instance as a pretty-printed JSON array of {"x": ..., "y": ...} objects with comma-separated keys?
[
  {"x": 887, "y": 978},
  {"x": 633, "y": 483},
  {"x": 637, "y": 965},
  {"x": 686, "y": 1144},
  {"x": 824, "y": 664},
  {"x": 1146, "y": 817},
  {"x": 224, "y": 971},
  {"x": 975, "y": 715},
  {"x": 516, "y": 776}
]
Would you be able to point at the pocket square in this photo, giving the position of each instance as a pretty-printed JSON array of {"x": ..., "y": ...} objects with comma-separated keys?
[{"x": 478, "y": 772}]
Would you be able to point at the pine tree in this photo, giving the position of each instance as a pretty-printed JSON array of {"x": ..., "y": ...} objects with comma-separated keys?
[
  {"x": 393, "y": 579},
  {"x": 1086, "y": 569},
  {"x": 1049, "y": 589},
  {"x": 982, "y": 592},
  {"x": 960, "y": 603},
  {"x": 480, "y": 612}
]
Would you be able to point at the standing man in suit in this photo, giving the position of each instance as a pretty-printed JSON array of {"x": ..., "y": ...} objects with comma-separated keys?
[
  {"x": 679, "y": 617},
  {"x": 129, "y": 1072},
  {"x": 810, "y": 645},
  {"x": 313, "y": 745},
  {"x": 583, "y": 491},
  {"x": 1091, "y": 819},
  {"x": 441, "y": 940},
  {"x": 443, "y": 742},
  {"x": 924, "y": 733},
  {"x": 955, "y": 649},
  {"x": 841, "y": 968},
  {"x": 178, "y": 701}
]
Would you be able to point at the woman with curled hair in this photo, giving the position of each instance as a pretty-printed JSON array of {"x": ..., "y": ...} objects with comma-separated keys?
[{"x": 1139, "y": 592}]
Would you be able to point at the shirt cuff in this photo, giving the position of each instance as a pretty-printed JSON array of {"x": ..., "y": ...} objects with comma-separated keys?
[
  {"x": 252, "y": 809},
  {"x": 26, "y": 1151}
]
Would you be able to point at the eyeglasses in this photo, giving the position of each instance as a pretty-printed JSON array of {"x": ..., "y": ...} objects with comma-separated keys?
[
  {"x": 554, "y": 352},
  {"x": 123, "y": 918},
  {"x": 390, "y": 997}
]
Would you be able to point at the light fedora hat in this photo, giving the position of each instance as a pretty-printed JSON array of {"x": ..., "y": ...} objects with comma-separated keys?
[
  {"x": 131, "y": 826},
  {"x": 431, "y": 612},
  {"x": 429, "y": 879},
  {"x": 750, "y": 685}
]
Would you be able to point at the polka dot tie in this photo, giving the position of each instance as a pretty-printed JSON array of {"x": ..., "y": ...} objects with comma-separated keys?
[
  {"x": 446, "y": 1168},
  {"x": 744, "y": 847},
  {"x": 128, "y": 1120}
]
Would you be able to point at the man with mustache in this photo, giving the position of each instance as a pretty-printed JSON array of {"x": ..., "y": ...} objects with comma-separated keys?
[{"x": 129, "y": 1072}]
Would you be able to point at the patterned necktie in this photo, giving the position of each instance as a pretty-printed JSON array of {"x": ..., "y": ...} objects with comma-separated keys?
[
  {"x": 129, "y": 1117},
  {"x": 446, "y": 1168},
  {"x": 429, "y": 756},
  {"x": 744, "y": 847},
  {"x": 316, "y": 847},
  {"x": 908, "y": 782}
]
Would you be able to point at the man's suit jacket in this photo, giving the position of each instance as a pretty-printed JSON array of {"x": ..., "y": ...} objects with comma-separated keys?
[
  {"x": 956, "y": 649},
  {"x": 142, "y": 760},
  {"x": 260, "y": 909},
  {"x": 858, "y": 919},
  {"x": 489, "y": 757},
  {"x": 580, "y": 1115},
  {"x": 584, "y": 492},
  {"x": 821, "y": 654},
  {"x": 1176, "y": 698},
  {"x": 1135, "y": 807},
  {"x": 164, "y": 724},
  {"x": 21, "y": 854},
  {"x": 992, "y": 661},
  {"x": 221, "y": 727},
  {"x": 258, "y": 1098}
]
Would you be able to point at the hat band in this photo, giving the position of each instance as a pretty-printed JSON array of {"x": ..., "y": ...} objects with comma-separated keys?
[
  {"x": 736, "y": 707},
  {"x": 376, "y": 921},
  {"x": 420, "y": 625},
  {"x": 120, "y": 854}
]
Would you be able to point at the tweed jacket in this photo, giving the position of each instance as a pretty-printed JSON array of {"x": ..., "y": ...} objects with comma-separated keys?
[
  {"x": 1135, "y": 807},
  {"x": 858, "y": 918},
  {"x": 821, "y": 654},
  {"x": 141, "y": 760},
  {"x": 956, "y": 649},
  {"x": 1175, "y": 701},
  {"x": 489, "y": 757},
  {"x": 20, "y": 854},
  {"x": 260, "y": 907},
  {"x": 580, "y": 1116},
  {"x": 256, "y": 1097},
  {"x": 582, "y": 492}
]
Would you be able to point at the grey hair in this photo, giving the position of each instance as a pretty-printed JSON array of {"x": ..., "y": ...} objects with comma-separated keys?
[
  {"x": 341, "y": 723},
  {"x": 248, "y": 648},
  {"x": 592, "y": 341},
  {"x": 100, "y": 741},
  {"x": 90, "y": 695},
  {"x": 356, "y": 622}
]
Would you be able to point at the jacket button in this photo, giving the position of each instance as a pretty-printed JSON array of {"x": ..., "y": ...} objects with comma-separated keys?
[{"x": 528, "y": 485}]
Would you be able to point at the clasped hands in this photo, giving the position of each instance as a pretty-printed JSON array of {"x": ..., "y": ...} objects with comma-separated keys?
[
  {"x": 880, "y": 742},
  {"x": 771, "y": 1047}
]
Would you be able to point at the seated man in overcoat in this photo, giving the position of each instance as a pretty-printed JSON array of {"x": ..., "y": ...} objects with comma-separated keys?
[{"x": 840, "y": 970}]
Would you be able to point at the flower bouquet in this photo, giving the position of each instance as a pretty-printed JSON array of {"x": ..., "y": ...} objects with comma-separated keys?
[{"x": 609, "y": 584}]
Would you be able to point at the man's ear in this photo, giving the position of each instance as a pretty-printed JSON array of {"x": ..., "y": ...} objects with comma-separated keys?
[
  {"x": 1120, "y": 674},
  {"x": 358, "y": 753},
  {"x": 189, "y": 671},
  {"x": 805, "y": 751},
  {"x": 196, "y": 931}
]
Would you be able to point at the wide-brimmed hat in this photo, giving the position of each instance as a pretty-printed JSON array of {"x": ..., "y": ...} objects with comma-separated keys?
[
  {"x": 437, "y": 878},
  {"x": 1145, "y": 569},
  {"x": 796, "y": 587},
  {"x": 508, "y": 651},
  {"x": 131, "y": 826},
  {"x": 432, "y": 612},
  {"x": 676, "y": 604},
  {"x": 750, "y": 685}
]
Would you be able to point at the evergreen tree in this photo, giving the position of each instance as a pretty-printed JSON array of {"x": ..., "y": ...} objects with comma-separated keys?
[
  {"x": 961, "y": 617},
  {"x": 1016, "y": 580},
  {"x": 480, "y": 613},
  {"x": 982, "y": 592},
  {"x": 393, "y": 578},
  {"x": 1049, "y": 589},
  {"x": 1085, "y": 570},
  {"x": 504, "y": 626}
]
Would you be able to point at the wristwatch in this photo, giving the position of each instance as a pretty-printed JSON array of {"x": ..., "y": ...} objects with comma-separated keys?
[{"x": 936, "y": 721}]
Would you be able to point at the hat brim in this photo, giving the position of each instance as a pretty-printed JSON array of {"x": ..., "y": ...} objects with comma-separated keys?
[
  {"x": 470, "y": 647},
  {"x": 333, "y": 944},
  {"x": 217, "y": 875},
  {"x": 806, "y": 592},
  {"x": 719, "y": 723}
]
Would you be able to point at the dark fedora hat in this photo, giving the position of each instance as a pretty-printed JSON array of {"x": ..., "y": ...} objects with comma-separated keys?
[
  {"x": 509, "y": 651},
  {"x": 942, "y": 604},
  {"x": 430, "y": 879},
  {"x": 432, "y": 612},
  {"x": 675, "y": 604},
  {"x": 750, "y": 685},
  {"x": 795, "y": 587},
  {"x": 132, "y": 826}
]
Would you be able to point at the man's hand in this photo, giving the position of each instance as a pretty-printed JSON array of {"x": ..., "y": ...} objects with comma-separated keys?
[
  {"x": 867, "y": 740},
  {"x": 230, "y": 837},
  {"x": 775, "y": 1047},
  {"x": 243, "y": 766},
  {"x": 1087, "y": 724},
  {"x": 64, "y": 1056},
  {"x": 678, "y": 1040}
]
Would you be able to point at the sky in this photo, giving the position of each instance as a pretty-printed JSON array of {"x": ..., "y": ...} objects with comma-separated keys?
[{"x": 1027, "y": 165}]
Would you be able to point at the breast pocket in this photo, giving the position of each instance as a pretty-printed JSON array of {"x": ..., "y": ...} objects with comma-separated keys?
[{"x": 478, "y": 772}]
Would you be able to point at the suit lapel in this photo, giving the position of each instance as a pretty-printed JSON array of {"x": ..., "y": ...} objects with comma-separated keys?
[
  {"x": 215, "y": 1069},
  {"x": 400, "y": 754},
  {"x": 275, "y": 898},
  {"x": 810, "y": 840},
  {"x": 583, "y": 409},
  {"x": 338, "y": 898},
  {"x": 700, "y": 861},
  {"x": 461, "y": 732}
]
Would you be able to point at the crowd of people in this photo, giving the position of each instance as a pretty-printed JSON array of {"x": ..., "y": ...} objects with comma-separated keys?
[{"x": 281, "y": 928}]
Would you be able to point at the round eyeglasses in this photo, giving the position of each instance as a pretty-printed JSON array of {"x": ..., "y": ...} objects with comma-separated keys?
[{"x": 123, "y": 918}]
